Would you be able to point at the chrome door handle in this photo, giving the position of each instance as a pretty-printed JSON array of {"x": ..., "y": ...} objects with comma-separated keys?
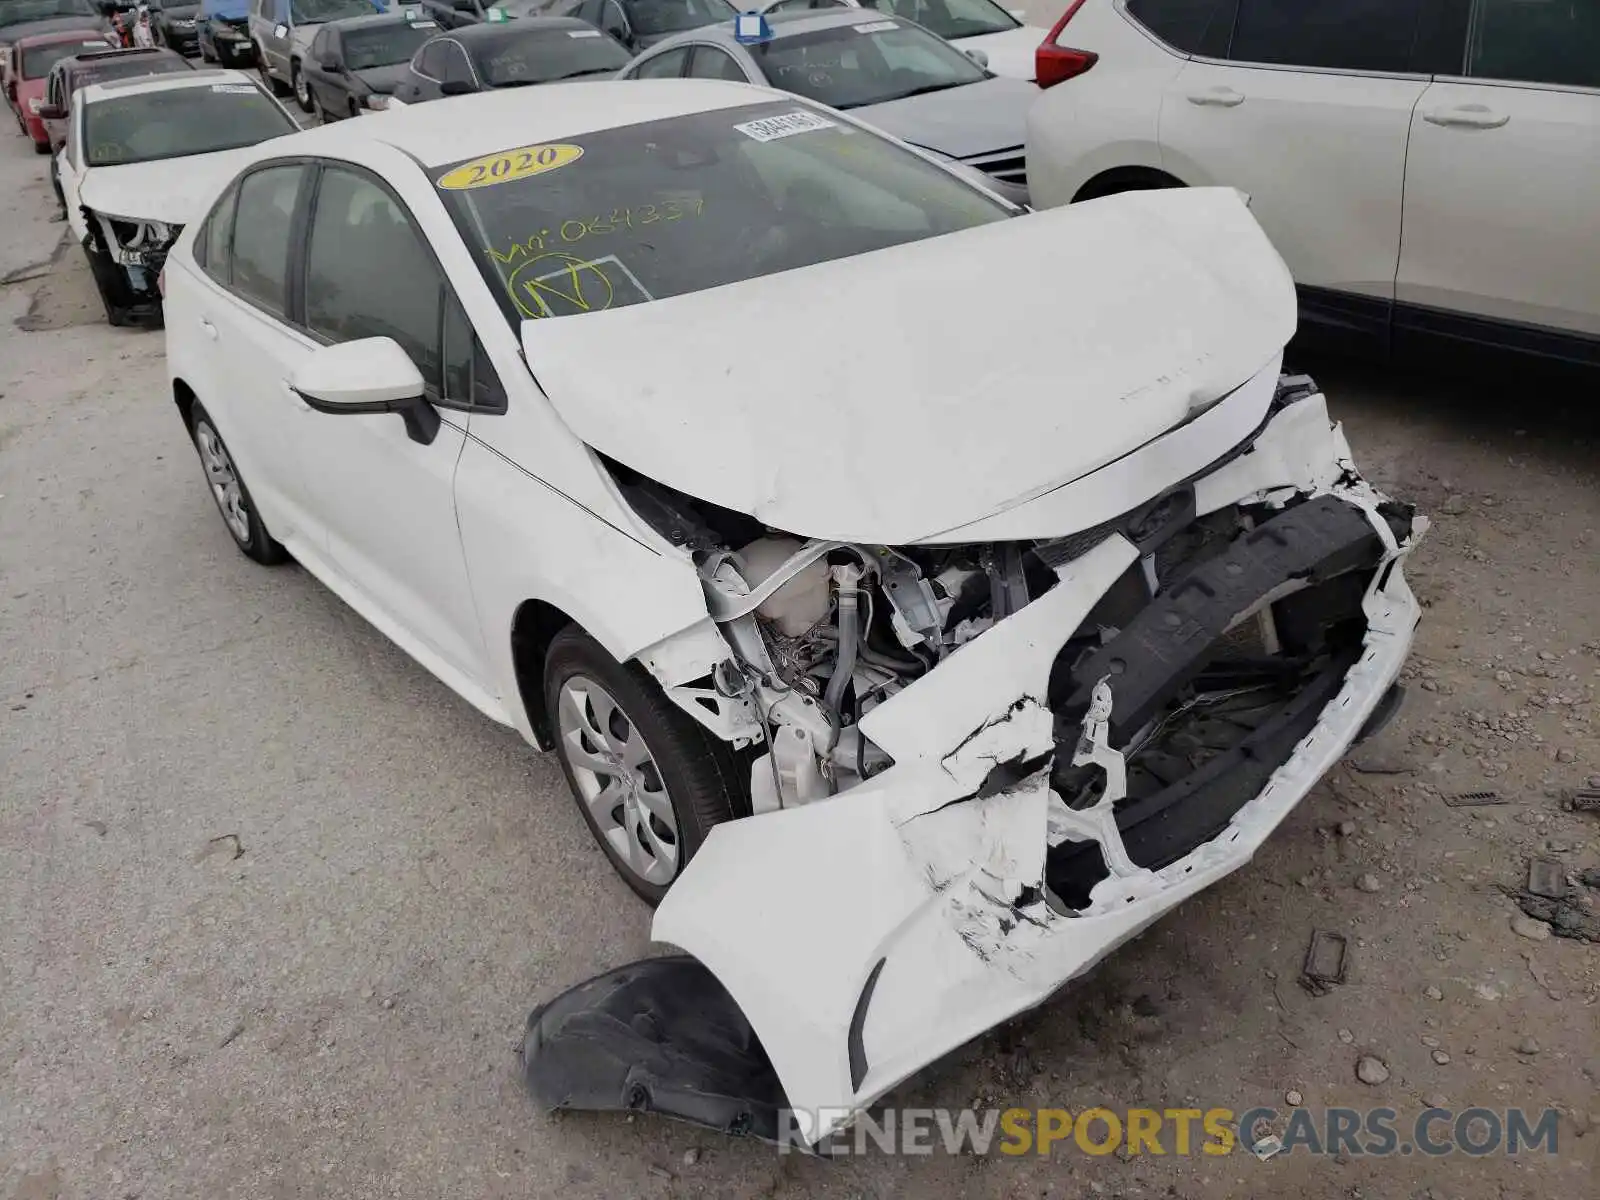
[
  {"x": 210, "y": 329},
  {"x": 1217, "y": 97},
  {"x": 1467, "y": 116}
]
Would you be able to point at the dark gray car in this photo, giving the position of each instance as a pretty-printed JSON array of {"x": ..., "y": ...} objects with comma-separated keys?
[{"x": 890, "y": 72}]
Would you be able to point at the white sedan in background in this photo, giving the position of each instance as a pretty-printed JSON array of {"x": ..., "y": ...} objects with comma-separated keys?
[
  {"x": 909, "y": 680},
  {"x": 139, "y": 154},
  {"x": 1429, "y": 172},
  {"x": 1004, "y": 38}
]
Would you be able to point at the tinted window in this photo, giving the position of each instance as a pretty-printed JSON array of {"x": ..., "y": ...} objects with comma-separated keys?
[
  {"x": 1193, "y": 26},
  {"x": 668, "y": 65},
  {"x": 1352, "y": 35},
  {"x": 526, "y": 56},
  {"x": 310, "y": 12},
  {"x": 180, "y": 121},
  {"x": 368, "y": 273},
  {"x": 261, "y": 235},
  {"x": 846, "y": 67},
  {"x": 431, "y": 60},
  {"x": 673, "y": 206},
  {"x": 716, "y": 64},
  {"x": 652, "y": 17},
  {"x": 385, "y": 45},
  {"x": 213, "y": 246},
  {"x": 468, "y": 377},
  {"x": 37, "y": 60},
  {"x": 1536, "y": 41},
  {"x": 948, "y": 18}
]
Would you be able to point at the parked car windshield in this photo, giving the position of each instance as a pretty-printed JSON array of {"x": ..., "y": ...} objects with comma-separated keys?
[
  {"x": 314, "y": 12},
  {"x": 178, "y": 122},
  {"x": 624, "y": 216},
  {"x": 15, "y": 12},
  {"x": 37, "y": 60},
  {"x": 526, "y": 56},
  {"x": 950, "y": 18},
  {"x": 384, "y": 45},
  {"x": 871, "y": 63},
  {"x": 652, "y": 17}
]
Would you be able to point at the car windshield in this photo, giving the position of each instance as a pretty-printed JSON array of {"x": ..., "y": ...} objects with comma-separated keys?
[
  {"x": 652, "y": 17},
  {"x": 640, "y": 213},
  {"x": 314, "y": 12},
  {"x": 15, "y": 12},
  {"x": 518, "y": 57},
  {"x": 950, "y": 18},
  {"x": 37, "y": 60},
  {"x": 178, "y": 122},
  {"x": 385, "y": 45},
  {"x": 868, "y": 63},
  {"x": 126, "y": 66}
]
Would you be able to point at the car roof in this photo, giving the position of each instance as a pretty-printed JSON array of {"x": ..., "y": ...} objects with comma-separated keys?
[
  {"x": 444, "y": 131},
  {"x": 55, "y": 36},
  {"x": 488, "y": 31},
  {"x": 112, "y": 89}
]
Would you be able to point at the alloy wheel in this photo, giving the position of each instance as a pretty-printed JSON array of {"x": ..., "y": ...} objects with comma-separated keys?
[
  {"x": 618, "y": 780},
  {"x": 223, "y": 480}
]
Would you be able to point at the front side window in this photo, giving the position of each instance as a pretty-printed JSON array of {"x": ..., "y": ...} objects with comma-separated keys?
[
  {"x": 639, "y": 213},
  {"x": 368, "y": 272},
  {"x": 384, "y": 45},
  {"x": 37, "y": 60},
  {"x": 533, "y": 55},
  {"x": 666, "y": 65},
  {"x": 178, "y": 122},
  {"x": 651, "y": 18},
  {"x": 950, "y": 18},
  {"x": 261, "y": 227},
  {"x": 1536, "y": 41},
  {"x": 1349, "y": 35},
  {"x": 847, "y": 66},
  {"x": 1193, "y": 26}
]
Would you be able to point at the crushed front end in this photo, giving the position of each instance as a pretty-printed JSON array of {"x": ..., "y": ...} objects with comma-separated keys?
[
  {"x": 126, "y": 255},
  {"x": 976, "y": 770}
]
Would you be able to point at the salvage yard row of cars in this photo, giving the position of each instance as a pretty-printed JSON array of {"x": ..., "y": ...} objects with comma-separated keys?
[{"x": 980, "y": 718}]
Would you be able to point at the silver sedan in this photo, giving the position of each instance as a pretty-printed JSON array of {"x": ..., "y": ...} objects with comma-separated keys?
[{"x": 892, "y": 72}]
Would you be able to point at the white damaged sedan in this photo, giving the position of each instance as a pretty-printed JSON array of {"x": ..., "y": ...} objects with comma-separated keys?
[{"x": 663, "y": 422}]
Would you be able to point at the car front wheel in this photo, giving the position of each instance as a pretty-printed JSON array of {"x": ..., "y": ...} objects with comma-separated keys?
[
  {"x": 232, "y": 497},
  {"x": 649, "y": 780},
  {"x": 302, "y": 89}
]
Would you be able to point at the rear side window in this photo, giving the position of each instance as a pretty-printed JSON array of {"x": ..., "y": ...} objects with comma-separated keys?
[
  {"x": 1193, "y": 26},
  {"x": 1536, "y": 41},
  {"x": 214, "y": 244},
  {"x": 1349, "y": 35},
  {"x": 261, "y": 229}
]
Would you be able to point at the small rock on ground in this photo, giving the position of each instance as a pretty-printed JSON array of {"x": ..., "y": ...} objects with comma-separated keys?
[{"x": 1371, "y": 1071}]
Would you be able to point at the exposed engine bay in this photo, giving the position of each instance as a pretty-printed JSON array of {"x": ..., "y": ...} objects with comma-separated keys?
[{"x": 126, "y": 255}]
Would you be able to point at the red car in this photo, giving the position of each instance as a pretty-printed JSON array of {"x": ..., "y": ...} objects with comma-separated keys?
[{"x": 31, "y": 59}]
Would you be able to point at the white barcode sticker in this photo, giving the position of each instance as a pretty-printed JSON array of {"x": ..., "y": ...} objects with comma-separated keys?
[
  {"x": 770, "y": 129},
  {"x": 583, "y": 33},
  {"x": 878, "y": 27}
]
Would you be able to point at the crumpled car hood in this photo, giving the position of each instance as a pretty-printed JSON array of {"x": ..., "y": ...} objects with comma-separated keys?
[
  {"x": 979, "y": 118},
  {"x": 166, "y": 190},
  {"x": 890, "y": 396}
]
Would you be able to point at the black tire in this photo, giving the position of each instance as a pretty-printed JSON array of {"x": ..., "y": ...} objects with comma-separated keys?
[
  {"x": 355, "y": 107},
  {"x": 259, "y": 544},
  {"x": 268, "y": 80},
  {"x": 41, "y": 147},
  {"x": 299, "y": 83},
  {"x": 704, "y": 781},
  {"x": 321, "y": 114}
]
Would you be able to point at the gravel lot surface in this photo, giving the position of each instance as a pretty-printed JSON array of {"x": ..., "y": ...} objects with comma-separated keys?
[{"x": 274, "y": 904}]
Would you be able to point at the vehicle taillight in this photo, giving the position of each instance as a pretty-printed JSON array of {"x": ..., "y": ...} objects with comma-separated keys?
[{"x": 1053, "y": 64}]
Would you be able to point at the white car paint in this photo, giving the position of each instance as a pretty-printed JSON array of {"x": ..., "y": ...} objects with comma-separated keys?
[
  {"x": 1008, "y": 52},
  {"x": 440, "y": 545},
  {"x": 1468, "y": 196},
  {"x": 1191, "y": 300}
]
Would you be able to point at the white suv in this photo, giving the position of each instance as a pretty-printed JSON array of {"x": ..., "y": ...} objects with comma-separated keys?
[{"x": 1427, "y": 168}]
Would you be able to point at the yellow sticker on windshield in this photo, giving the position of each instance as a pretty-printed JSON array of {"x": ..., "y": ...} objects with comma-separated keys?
[{"x": 508, "y": 165}]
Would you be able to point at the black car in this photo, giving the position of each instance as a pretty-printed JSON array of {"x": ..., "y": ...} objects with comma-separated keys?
[
  {"x": 176, "y": 25},
  {"x": 224, "y": 33},
  {"x": 357, "y": 62},
  {"x": 640, "y": 24},
  {"x": 509, "y": 54}
]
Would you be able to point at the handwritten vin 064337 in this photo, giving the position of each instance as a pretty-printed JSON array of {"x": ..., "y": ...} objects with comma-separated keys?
[{"x": 576, "y": 229}]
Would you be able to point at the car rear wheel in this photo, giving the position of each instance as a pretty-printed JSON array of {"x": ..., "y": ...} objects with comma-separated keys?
[
  {"x": 232, "y": 497},
  {"x": 650, "y": 781},
  {"x": 300, "y": 86}
]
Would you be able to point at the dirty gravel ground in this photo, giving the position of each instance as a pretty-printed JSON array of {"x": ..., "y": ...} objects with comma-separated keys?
[{"x": 274, "y": 903}]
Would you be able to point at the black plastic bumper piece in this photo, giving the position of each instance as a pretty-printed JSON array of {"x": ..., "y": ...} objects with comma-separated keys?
[{"x": 660, "y": 1035}]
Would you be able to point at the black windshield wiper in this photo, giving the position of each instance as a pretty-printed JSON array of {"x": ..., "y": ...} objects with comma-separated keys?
[
  {"x": 922, "y": 91},
  {"x": 587, "y": 71}
]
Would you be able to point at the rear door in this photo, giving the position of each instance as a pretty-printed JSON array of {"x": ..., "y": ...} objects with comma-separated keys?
[
  {"x": 1308, "y": 113},
  {"x": 1503, "y": 178}
]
